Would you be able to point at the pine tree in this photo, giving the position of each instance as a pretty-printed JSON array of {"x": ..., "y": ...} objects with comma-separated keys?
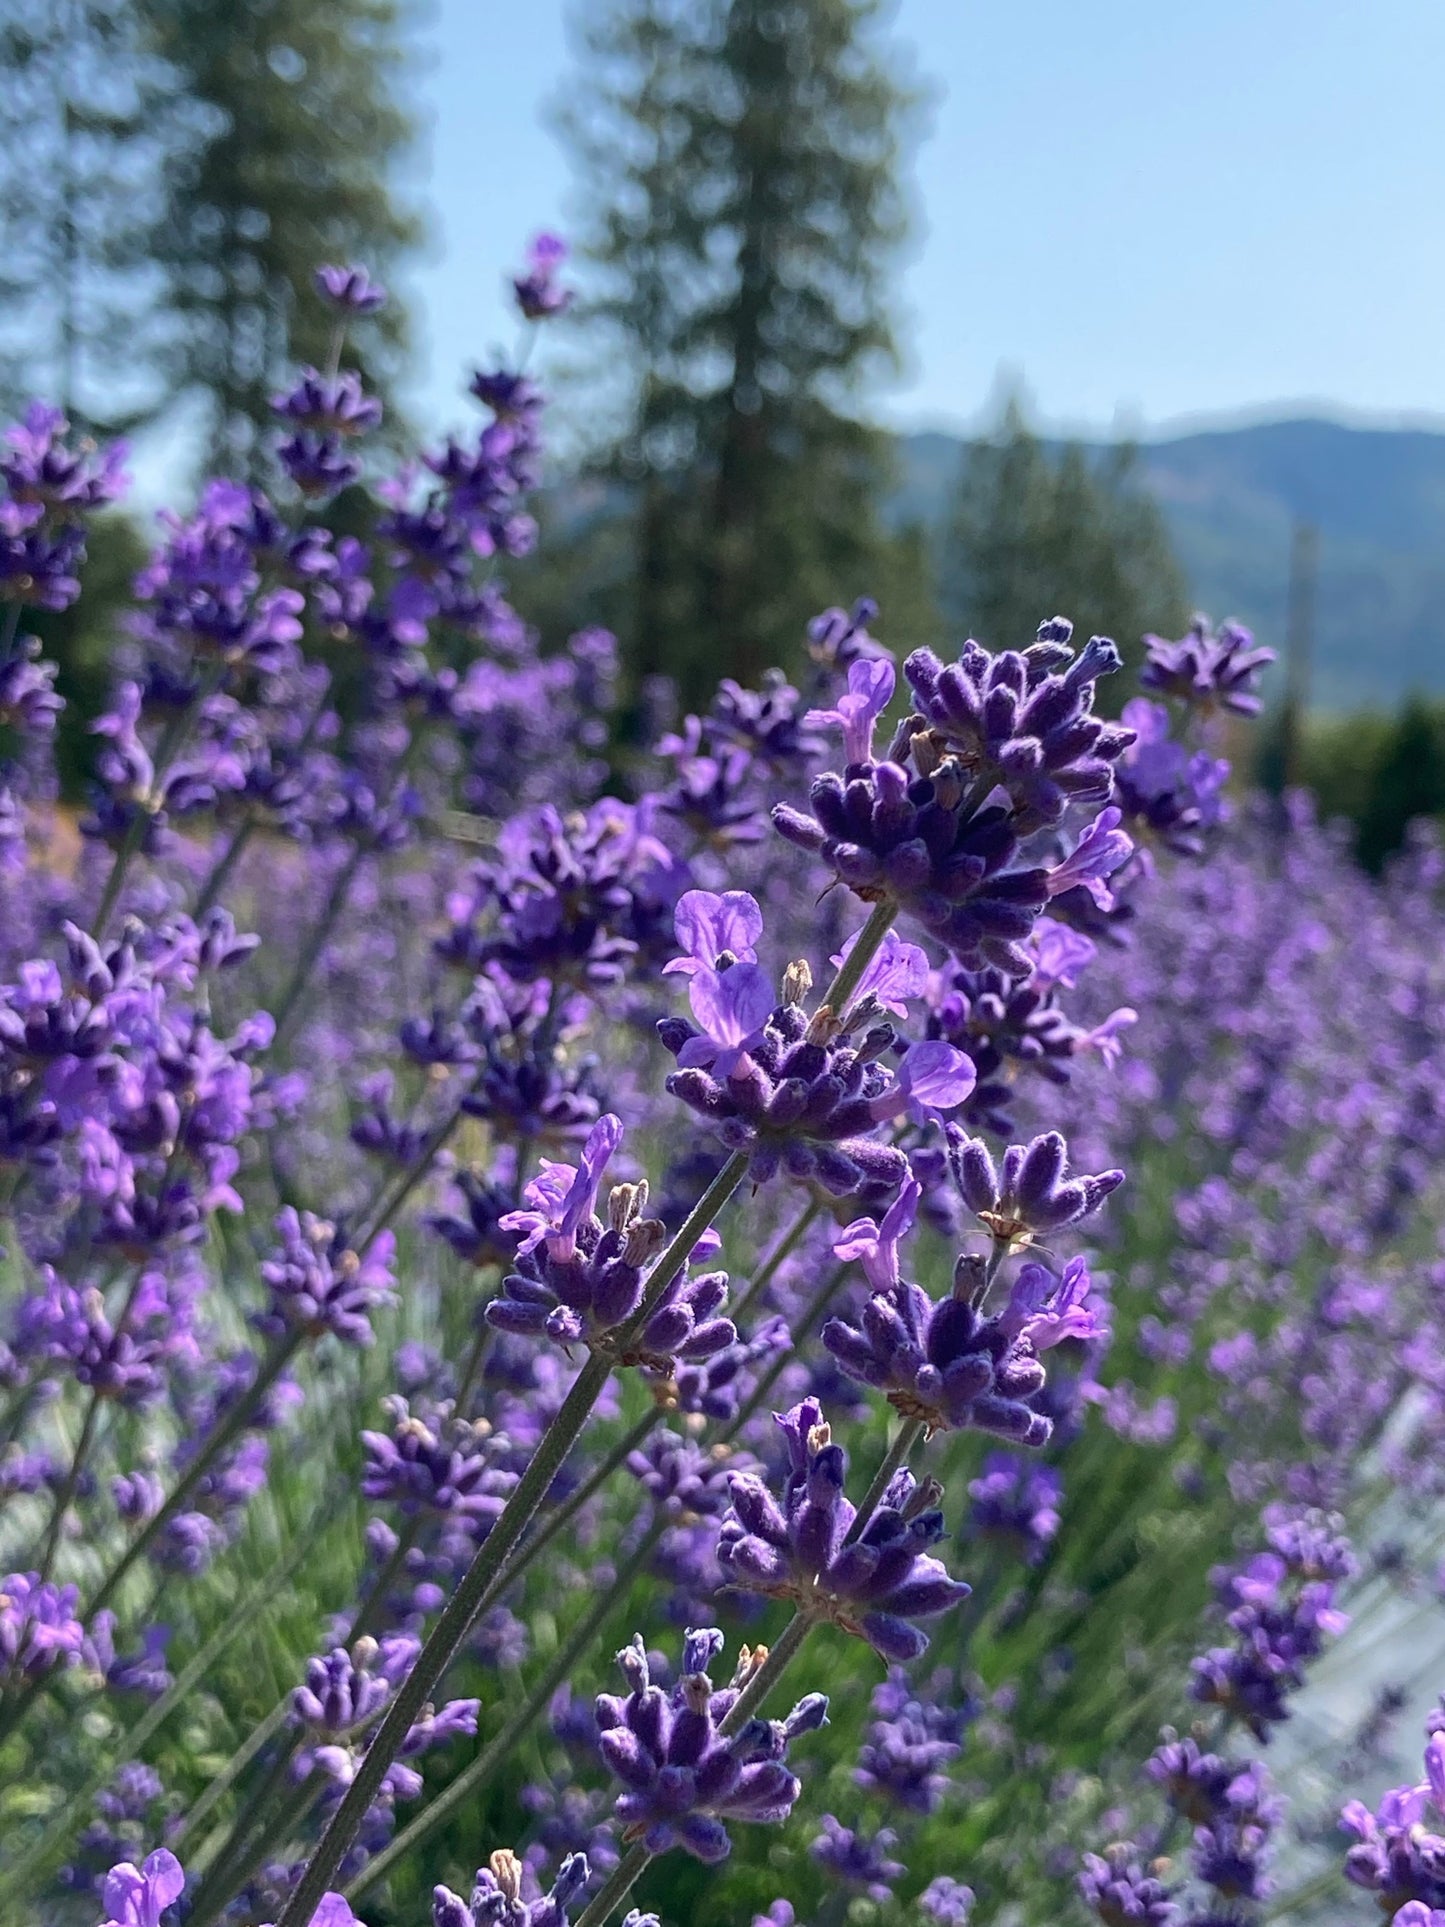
[
  {"x": 293, "y": 123},
  {"x": 1035, "y": 533},
  {"x": 739, "y": 159},
  {"x": 85, "y": 119}
]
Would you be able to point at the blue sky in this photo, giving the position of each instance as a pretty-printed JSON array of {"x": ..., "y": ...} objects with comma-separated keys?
[{"x": 1141, "y": 210}]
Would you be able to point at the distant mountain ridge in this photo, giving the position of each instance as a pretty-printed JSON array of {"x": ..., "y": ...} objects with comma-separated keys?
[{"x": 1231, "y": 497}]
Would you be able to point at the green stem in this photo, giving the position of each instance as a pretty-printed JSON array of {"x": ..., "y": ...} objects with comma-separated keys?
[
  {"x": 276, "y": 1817},
  {"x": 487, "y": 1567},
  {"x": 894, "y": 1459},
  {"x": 223, "y": 866},
  {"x": 225, "y": 1434},
  {"x": 840, "y": 992},
  {"x": 625, "y": 1876},
  {"x": 493, "y": 1755},
  {"x": 785, "y": 1246},
  {"x": 290, "y": 1000},
  {"x": 232, "y": 1771},
  {"x": 72, "y": 1479}
]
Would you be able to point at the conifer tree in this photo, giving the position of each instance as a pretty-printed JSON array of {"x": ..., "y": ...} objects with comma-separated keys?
[
  {"x": 739, "y": 161},
  {"x": 294, "y": 123},
  {"x": 85, "y": 120},
  {"x": 1035, "y": 532}
]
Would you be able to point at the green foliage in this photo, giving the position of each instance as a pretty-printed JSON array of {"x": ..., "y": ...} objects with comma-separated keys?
[
  {"x": 1071, "y": 533},
  {"x": 83, "y": 638},
  {"x": 293, "y": 124},
  {"x": 1379, "y": 772},
  {"x": 739, "y": 160}
]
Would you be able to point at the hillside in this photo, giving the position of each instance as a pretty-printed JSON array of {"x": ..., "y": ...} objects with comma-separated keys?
[{"x": 1231, "y": 496}]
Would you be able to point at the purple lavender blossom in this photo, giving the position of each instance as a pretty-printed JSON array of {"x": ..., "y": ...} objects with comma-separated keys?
[
  {"x": 1122, "y": 1894},
  {"x": 873, "y": 1585},
  {"x": 684, "y": 1777},
  {"x": 912, "y": 1739},
  {"x": 1207, "y": 671},
  {"x": 578, "y": 1280},
  {"x": 1032, "y": 1192},
  {"x": 998, "y": 749},
  {"x": 350, "y": 290},
  {"x": 1017, "y": 1503},
  {"x": 319, "y": 1284},
  {"x": 857, "y": 1859},
  {"x": 537, "y": 291},
  {"x": 953, "y": 1366},
  {"x": 946, "y": 1902},
  {"x": 507, "y": 1894},
  {"x": 870, "y": 690},
  {"x": 38, "y": 1626},
  {"x": 138, "y": 1896}
]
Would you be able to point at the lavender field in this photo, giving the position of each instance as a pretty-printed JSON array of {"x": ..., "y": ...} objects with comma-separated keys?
[{"x": 829, "y": 1310}]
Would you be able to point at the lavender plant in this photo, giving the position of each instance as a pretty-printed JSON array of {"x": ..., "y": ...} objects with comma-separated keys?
[{"x": 405, "y": 1304}]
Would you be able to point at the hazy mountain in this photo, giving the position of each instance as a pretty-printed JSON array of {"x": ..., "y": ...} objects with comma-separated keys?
[{"x": 1231, "y": 496}]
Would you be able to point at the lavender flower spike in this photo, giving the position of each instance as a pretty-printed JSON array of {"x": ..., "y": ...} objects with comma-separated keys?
[
  {"x": 564, "y": 1195},
  {"x": 954, "y": 1367},
  {"x": 1032, "y": 1193},
  {"x": 683, "y": 1776},
  {"x": 506, "y": 1894},
  {"x": 874, "y": 1587}
]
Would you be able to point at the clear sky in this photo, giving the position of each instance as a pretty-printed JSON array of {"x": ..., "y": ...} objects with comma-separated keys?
[{"x": 1141, "y": 210}]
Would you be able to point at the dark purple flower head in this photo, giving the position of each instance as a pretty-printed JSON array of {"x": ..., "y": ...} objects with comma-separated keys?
[
  {"x": 684, "y": 1478},
  {"x": 28, "y": 702},
  {"x": 329, "y": 404},
  {"x": 1209, "y": 672},
  {"x": 837, "y": 637},
  {"x": 1399, "y": 1853},
  {"x": 955, "y": 1367},
  {"x": 345, "y": 1690},
  {"x": 1031, "y": 1194},
  {"x": 432, "y": 1461},
  {"x": 577, "y": 1280},
  {"x": 479, "y": 1237},
  {"x": 538, "y": 292},
  {"x": 685, "y": 1777},
  {"x": 798, "y": 1093},
  {"x": 873, "y": 1586},
  {"x": 1280, "y": 1624},
  {"x": 1017, "y": 1503},
  {"x": 914, "y": 1737},
  {"x": 571, "y": 898},
  {"x": 1122, "y": 1893},
  {"x": 1163, "y": 788},
  {"x": 857, "y": 1859},
  {"x": 319, "y": 1284},
  {"x": 507, "y": 1894},
  {"x": 40, "y": 470},
  {"x": 38, "y": 1626},
  {"x": 998, "y": 749},
  {"x": 350, "y": 290}
]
